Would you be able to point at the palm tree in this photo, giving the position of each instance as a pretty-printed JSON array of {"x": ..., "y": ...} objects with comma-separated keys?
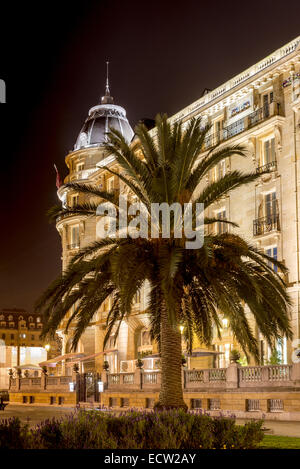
[{"x": 187, "y": 287}]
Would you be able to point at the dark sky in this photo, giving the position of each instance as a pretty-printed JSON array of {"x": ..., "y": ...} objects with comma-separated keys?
[{"x": 163, "y": 54}]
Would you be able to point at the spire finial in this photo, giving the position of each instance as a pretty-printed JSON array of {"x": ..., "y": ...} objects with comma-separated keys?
[
  {"x": 107, "y": 90},
  {"x": 107, "y": 99}
]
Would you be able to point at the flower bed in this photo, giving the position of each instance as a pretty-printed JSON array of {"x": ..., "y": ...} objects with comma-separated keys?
[{"x": 174, "y": 429}]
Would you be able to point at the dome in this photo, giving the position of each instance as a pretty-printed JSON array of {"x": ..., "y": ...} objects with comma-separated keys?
[{"x": 100, "y": 119}]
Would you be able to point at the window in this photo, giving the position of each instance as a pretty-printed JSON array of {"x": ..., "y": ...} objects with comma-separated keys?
[
  {"x": 267, "y": 98},
  {"x": 281, "y": 347},
  {"x": 268, "y": 206},
  {"x": 110, "y": 184},
  {"x": 38, "y": 319},
  {"x": 146, "y": 339},
  {"x": 3, "y": 336},
  {"x": 111, "y": 344},
  {"x": 32, "y": 337},
  {"x": 272, "y": 252},
  {"x": 80, "y": 167},
  {"x": 221, "y": 227},
  {"x": 75, "y": 236},
  {"x": 224, "y": 358},
  {"x": 267, "y": 151},
  {"x": 12, "y": 336},
  {"x": 218, "y": 130},
  {"x": 137, "y": 297},
  {"x": 74, "y": 200},
  {"x": 219, "y": 170}
]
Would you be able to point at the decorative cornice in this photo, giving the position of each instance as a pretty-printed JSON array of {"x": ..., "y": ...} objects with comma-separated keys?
[{"x": 233, "y": 84}]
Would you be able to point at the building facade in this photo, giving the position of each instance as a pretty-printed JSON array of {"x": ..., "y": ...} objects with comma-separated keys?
[
  {"x": 20, "y": 343},
  {"x": 260, "y": 109}
]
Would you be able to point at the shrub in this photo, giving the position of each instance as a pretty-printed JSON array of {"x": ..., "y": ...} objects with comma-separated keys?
[
  {"x": 13, "y": 435},
  {"x": 172, "y": 429}
]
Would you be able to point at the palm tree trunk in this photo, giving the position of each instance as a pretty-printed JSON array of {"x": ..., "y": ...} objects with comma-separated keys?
[{"x": 171, "y": 393}]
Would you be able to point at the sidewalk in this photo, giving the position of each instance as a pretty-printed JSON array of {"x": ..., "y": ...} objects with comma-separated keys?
[{"x": 279, "y": 428}]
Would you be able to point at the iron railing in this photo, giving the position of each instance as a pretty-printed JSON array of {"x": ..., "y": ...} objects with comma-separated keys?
[
  {"x": 266, "y": 224},
  {"x": 239, "y": 126},
  {"x": 271, "y": 166}
]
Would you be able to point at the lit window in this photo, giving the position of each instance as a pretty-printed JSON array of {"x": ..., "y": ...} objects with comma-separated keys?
[
  {"x": 272, "y": 252},
  {"x": 110, "y": 184},
  {"x": 219, "y": 170},
  {"x": 221, "y": 227},
  {"x": 267, "y": 151},
  {"x": 225, "y": 323},
  {"x": 267, "y": 98},
  {"x": 218, "y": 130},
  {"x": 75, "y": 236},
  {"x": 74, "y": 200},
  {"x": 80, "y": 167},
  {"x": 137, "y": 297}
]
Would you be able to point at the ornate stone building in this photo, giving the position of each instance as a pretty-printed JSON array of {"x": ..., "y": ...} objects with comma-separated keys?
[
  {"x": 20, "y": 342},
  {"x": 260, "y": 109}
]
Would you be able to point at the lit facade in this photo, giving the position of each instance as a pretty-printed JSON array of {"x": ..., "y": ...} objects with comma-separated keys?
[
  {"x": 260, "y": 109},
  {"x": 20, "y": 342}
]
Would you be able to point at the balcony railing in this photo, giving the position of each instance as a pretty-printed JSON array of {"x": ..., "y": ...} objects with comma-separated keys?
[
  {"x": 239, "y": 126},
  {"x": 73, "y": 246},
  {"x": 271, "y": 166},
  {"x": 266, "y": 224}
]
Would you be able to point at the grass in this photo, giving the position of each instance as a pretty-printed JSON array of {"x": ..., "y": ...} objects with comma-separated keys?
[{"x": 280, "y": 442}]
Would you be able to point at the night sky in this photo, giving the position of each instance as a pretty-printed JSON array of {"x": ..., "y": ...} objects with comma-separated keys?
[{"x": 163, "y": 54}]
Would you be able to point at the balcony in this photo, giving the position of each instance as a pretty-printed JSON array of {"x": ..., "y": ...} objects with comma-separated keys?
[
  {"x": 271, "y": 166},
  {"x": 246, "y": 123},
  {"x": 266, "y": 224}
]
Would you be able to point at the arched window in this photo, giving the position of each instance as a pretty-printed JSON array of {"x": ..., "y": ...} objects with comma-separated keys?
[{"x": 145, "y": 337}]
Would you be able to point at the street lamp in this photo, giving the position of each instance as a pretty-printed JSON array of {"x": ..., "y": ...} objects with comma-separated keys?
[{"x": 47, "y": 347}]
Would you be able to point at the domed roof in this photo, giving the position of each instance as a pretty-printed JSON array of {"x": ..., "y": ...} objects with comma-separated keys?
[{"x": 100, "y": 119}]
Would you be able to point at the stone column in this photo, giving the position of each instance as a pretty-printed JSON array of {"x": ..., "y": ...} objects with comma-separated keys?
[
  {"x": 138, "y": 383},
  {"x": 43, "y": 381},
  {"x": 295, "y": 372},
  {"x": 99, "y": 339},
  {"x": 232, "y": 376}
]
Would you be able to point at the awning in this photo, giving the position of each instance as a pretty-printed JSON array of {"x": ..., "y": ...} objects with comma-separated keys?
[
  {"x": 89, "y": 357},
  {"x": 28, "y": 366},
  {"x": 198, "y": 352},
  {"x": 59, "y": 358}
]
